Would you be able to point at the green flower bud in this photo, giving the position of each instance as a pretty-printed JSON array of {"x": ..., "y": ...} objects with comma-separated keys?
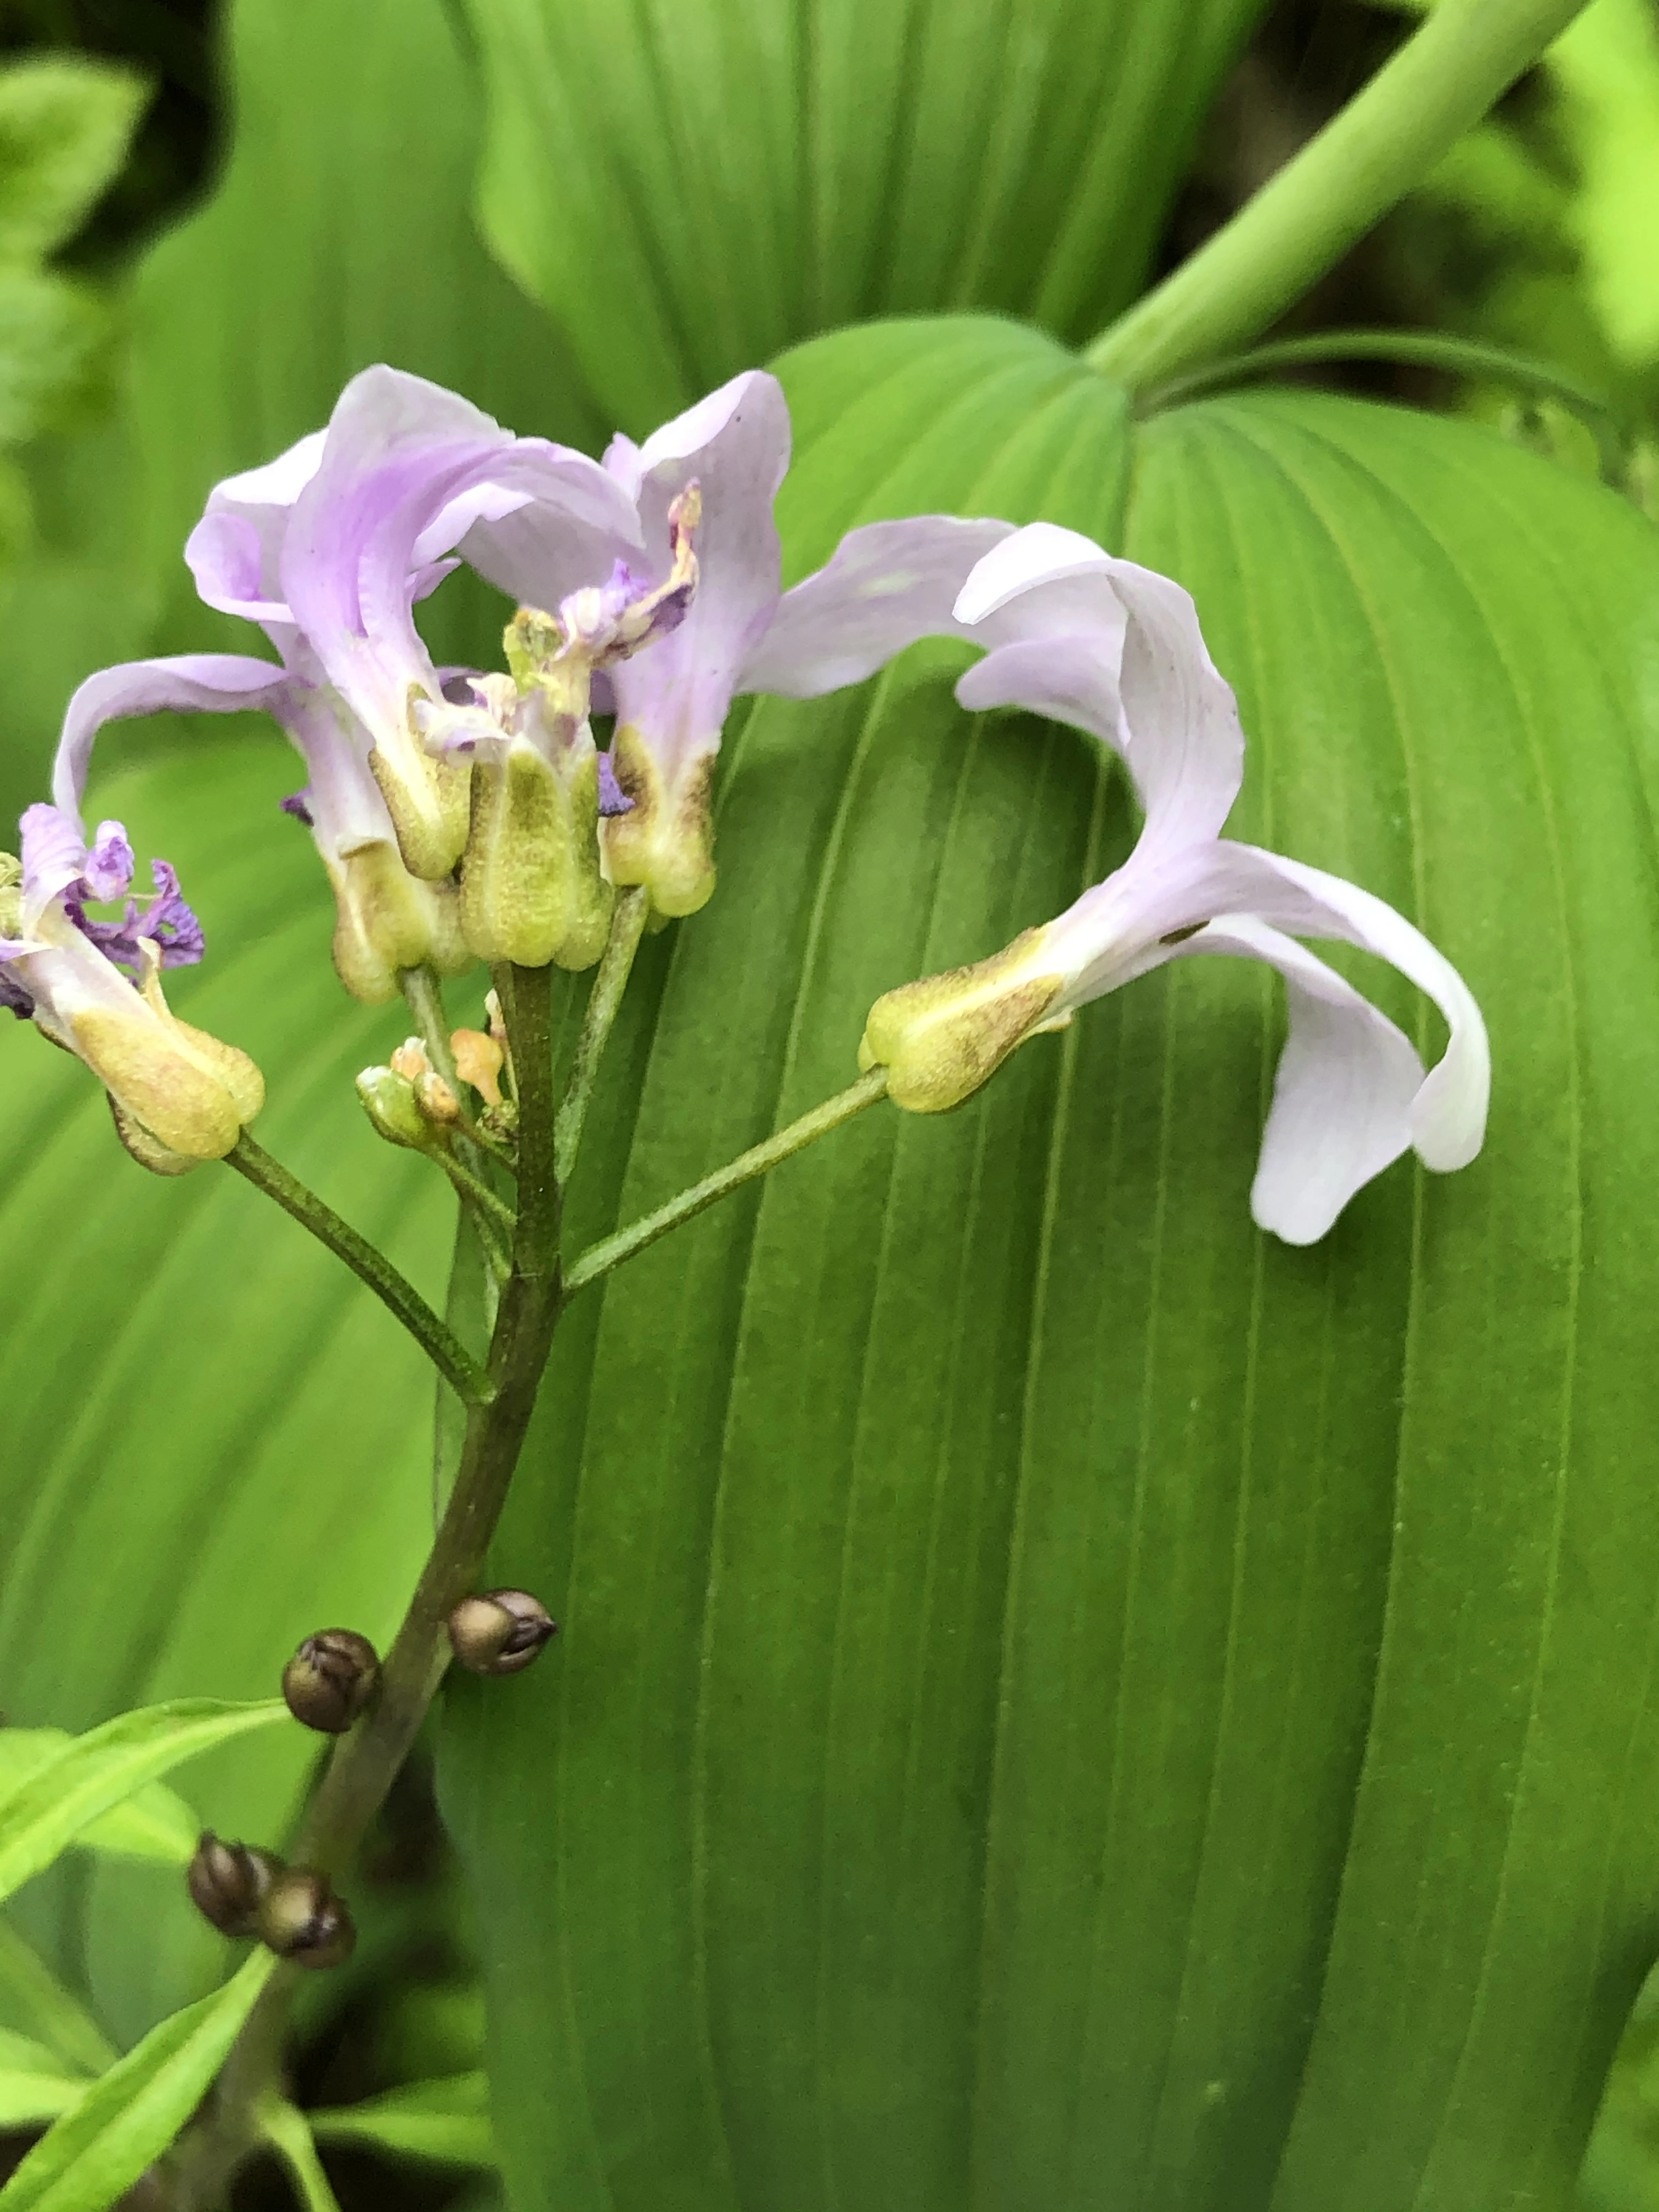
[
  {"x": 330, "y": 1678},
  {"x": 389, "y": 1102},
  {"x": 501, "y": 1631},
  {"x": 301, "y": 1918},
  {"x": 667, "y": 839},
  {"x": 941, "y": 1037},
  {"x": 228, "y": 1882},
  {"x": 531, "y": 891}
]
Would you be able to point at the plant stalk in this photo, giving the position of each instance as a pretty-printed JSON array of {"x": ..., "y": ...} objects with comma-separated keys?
[
  {"x": 1383, "y": 143},
  {"x": 628, "y": 921},
  {"x": 365, "y": 1762},
  {"x": 611, "y": 1251},
  {"x": 393, "y": 1289}
]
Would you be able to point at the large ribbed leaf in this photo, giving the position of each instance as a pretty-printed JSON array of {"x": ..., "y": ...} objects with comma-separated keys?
[
  {"x": 688, "y": 188},
  {"x": 1064, "y": 1701}
]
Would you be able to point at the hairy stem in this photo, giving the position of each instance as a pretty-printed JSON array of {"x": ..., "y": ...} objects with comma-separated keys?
[
  {"x": 394, "y": 1289},
  {"x": 365, "y": 1762},
  {"x": 628, "y": 921},
  {"x": 1342, "y": 181},
  {"x": 611, "y": 1251}
]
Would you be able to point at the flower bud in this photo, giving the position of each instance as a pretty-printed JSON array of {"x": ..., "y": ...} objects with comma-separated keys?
[
  {"x": 531, "y": 890},
  {"x": 391, "y": 1103},
  {"x": 387, "y": 920},
  {"x": 301, "y": 1918},
  {"x": 478, "y": 1062},
  {"x": 941, "y": 1037},
  {"x": 330, "y": 1678},
  {"x": 501, "y": 1631},
  {"x": 228, "y": 1882},
  {"x": 667, "y": 838}
]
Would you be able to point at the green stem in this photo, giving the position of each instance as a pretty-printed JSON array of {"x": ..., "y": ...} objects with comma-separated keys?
[
  {"x": 394, "y": 1289},
  {"x": 1302, "y": 220},
  {"x": 628, "y": 921},
  {"x": 425, "y": 997},
  {"x": 366, "y": 1762},
  {"x": 479, "y": 1194},
  {"x": 611, "y": 1251},
  {"x": 1453, "y": 356}
]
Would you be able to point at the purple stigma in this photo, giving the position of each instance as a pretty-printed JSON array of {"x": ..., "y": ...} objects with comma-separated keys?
[
  {"x": 14, "y": 997},
  {"x": 298, "y": 805},
  {"x": 613, "y": 799},
  {"x": 108, "y": 871}
]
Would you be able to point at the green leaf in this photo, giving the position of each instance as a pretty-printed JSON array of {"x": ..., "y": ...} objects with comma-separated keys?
[
  {"x": 87, "y": 1776},
  {"x": 688, "y": 189},
  {"x": 290, "y": 2132},
  {"x": 446, "y": 2121},
  {"x": 32, "y": 1996},
  {"x": 153, "y": 1823},
  {"x": 127, "y": 2119},
  {"x": 49, "y": 331},
  {"x": 1063, "y": 1700},
  {"x": 33, "y": 2085},
  {"x": 65, "y": 123}
]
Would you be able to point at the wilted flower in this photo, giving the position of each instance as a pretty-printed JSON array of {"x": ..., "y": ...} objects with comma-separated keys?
[
  {"x": 737, "y": 630},
  {"x": 1116, "y": 650},
  {"x": 178, "y": 1095}
]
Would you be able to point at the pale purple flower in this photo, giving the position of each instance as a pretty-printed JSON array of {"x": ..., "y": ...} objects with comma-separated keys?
[
  {"x": 887, "y": 584},
  {"x": 1116, "y": 650},
  {"x": 179, "y": 1095}
]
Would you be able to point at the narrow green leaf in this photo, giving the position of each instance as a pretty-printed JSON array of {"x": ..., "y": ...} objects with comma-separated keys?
[
  {"x": 290, "y": 2132},
  {"x": 65, "y": 123},
  {"x": 91, "y": 1773},
  {"x": 446, "y": 2121},
  {"x": 127, "y": 2118},
  {"x": 153, "y": 1823},
  {"x": 34, "y": 2087},
  {"x": 32, "y": 1996}
]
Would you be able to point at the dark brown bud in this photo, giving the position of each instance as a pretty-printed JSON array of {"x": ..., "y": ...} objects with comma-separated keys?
[
  {"x": 330, "y": 1678},
  {"x": 302, "y": 1919},
  {"x": 501, "y": 1631},
  {"x": 229, "y": 1881}
]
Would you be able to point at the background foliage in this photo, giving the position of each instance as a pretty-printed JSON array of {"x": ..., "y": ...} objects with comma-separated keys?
[{"x": 1061, "y": 1701}]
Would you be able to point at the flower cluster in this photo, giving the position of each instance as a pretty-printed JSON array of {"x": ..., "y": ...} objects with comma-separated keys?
[{"x": 466, "y": 814}]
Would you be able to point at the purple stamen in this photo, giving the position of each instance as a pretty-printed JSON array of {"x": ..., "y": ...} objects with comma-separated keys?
[
  {"x": 613, "y": 799},
  {"x": 14, "y": 997},
  {"x": 298, "y": 805},
  {"x": 167, "y": 921}
]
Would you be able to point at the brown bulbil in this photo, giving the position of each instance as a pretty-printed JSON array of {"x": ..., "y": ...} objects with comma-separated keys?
[
  {"x": 500, "y": 1631},
  {"x": 302, "y": 1919},
  {"x": 330, "y": 1678},
  {"x": 228, "y": 1882}
]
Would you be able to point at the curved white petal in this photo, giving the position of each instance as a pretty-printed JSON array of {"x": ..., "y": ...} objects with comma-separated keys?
[
  {"x": 190, "y": 683},
  {"x": 1344, "y": 1094},
  {"x": 884, "y": 587},
  {"x": 1130, "y": 666},
  {"x": 1449, "y": 1114}
]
